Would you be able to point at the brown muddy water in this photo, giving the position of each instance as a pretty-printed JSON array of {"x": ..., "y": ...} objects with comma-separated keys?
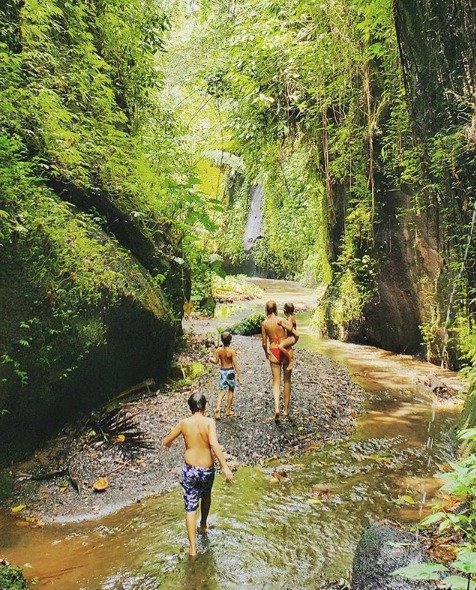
[{"x": 266, "y": 534}]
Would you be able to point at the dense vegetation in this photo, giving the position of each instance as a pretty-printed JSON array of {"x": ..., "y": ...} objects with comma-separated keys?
[
  {"x": 95, "y": 199},
  {"x": 133, "y": 136},
  {"x": 129, "y": 155},
  {"x": 367, "y": 184}
]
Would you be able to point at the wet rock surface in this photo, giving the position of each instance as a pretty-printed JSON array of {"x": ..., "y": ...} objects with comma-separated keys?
[
  {"x": 323, "y": 408},
  {"x": 382, "y": 549}
]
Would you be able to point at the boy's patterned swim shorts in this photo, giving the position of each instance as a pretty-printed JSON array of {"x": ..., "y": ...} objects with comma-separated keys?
[
  {"x": 227, "y": 379},
  {"x": 196, "y": 482}
]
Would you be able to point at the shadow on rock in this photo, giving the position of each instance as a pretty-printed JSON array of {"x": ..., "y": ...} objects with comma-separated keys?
[{"x": 382, "y": 549}]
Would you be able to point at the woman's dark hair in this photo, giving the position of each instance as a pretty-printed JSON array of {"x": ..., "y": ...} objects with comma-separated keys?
[
  {"x": 289, "y": 308},
  {"x": 226, "y": 338},
  {"x": 197, "y": 402},
  {"x": 271, "y": 307}
]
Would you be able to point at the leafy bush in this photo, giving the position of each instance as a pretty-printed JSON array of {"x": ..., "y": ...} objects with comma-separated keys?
[
  {"x": 460, "y": 483},
  {"x": 11, "y": 578},
  {"x": 249, "y": 326}
]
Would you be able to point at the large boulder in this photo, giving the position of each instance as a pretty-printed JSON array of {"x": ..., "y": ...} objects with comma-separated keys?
[
  {"x": 381, "y": 550},
  {"x": 82, "y": 320}
]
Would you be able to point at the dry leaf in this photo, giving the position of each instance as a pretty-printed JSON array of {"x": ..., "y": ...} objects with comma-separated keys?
[
  {"x": 320, "y": 489},
  {"x": 187, "y": 307},
  {"x": 120, "y": 438},
  {"x": 17, "y": 509},
  {"x": 101, "y": 484},
  {"x": 35, "y": 522}
]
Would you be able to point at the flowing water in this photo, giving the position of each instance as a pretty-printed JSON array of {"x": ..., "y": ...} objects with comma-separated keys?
[
  {"x": 268, "y": 535},
  {"x": 255, "y": 218}
]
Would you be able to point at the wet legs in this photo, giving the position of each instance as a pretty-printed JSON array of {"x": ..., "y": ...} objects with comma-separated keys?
[
  {"x": 221, "y": 395},
  {"x": 204, "y": 510},
  {"x": 287, "y": 390},
  {"x": 191, "y": 524},
  {"x": 229, "y": 402},
  {"x": 276, "y": 375}
]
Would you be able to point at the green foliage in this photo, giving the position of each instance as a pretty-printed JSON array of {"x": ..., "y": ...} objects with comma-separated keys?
[
  {"x": 234, "y": 288},
  {"x": 314, "y": 101},
  {"x": 465, "y": 563},
  {"x": 248, "y": 326},
  {"x": 460, "y": 482},
  {"x": 12, "y": 578},
  {"x": 421, "y": 571}
]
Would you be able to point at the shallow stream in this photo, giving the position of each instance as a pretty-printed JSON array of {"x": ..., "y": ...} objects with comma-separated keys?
[{"x": 266, "y": 534}]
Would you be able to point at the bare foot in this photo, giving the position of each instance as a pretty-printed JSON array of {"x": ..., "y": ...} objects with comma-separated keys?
[
  {"x": 217, "y": 414},
  {"x": 285, "y": 415},
  {"x": 291, "y": 365},
  {"x": 277, "y": 418},
  {"x": 202, "y": 529},
  {"x": 192, "y": 553},
  {"x": 230, "y": 414}
]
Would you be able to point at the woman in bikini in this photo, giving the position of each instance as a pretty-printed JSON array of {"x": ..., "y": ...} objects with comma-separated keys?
[{"x": 274, "y": 332}]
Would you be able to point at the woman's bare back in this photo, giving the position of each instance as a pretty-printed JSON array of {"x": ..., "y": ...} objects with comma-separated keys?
[{"x": 274, "y": 331}]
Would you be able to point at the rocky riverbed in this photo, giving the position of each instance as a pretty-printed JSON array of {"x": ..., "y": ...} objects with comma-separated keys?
[{"x": 324, "y": 405}]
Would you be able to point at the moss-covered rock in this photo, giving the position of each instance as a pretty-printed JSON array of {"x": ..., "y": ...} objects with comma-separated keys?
[
  {"x": 248, "y": 326},
  {"x": 77, "y": 327},
  {"x": 92, "y": 277}
]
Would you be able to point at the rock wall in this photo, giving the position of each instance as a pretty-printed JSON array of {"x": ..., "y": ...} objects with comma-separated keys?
[
  {"x": 92, "y": 279},
  {"x": 57, "y": 365},
  {"x": 421, "y": 223}
]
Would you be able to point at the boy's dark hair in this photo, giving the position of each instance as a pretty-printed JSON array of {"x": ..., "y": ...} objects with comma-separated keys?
[
  {"x": 271, "y": 307},
  {"x": 225, "y": 338},
  {"x": 197, "y": 402},
  {"x": 289, "y": 308}
]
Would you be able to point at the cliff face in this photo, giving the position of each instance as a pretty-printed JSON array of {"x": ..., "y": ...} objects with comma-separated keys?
[
  {"x": 92, "y": 280},
  {"x": 421, "y": 241}
]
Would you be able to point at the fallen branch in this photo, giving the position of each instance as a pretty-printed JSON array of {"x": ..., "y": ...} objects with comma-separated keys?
[
  {"x": 42, "y": 476},
  {"x": 147, "y": 384}
]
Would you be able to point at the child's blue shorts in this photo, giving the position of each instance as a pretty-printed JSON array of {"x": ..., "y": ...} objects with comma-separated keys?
[
  {"x": 196, "y": 482},
  {"x": 227, "y": 379}
]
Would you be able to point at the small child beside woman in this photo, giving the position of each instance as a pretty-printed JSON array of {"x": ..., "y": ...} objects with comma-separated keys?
[{"x": 290, "y": 325}]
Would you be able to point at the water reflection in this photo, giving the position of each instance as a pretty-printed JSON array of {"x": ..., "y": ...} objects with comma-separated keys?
[{"x": 199, "y": 572}]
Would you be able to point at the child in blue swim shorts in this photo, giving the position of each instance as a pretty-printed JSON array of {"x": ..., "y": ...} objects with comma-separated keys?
[
  {"x": 198, "y": 472},
  {"x": 229, "y": 374}
]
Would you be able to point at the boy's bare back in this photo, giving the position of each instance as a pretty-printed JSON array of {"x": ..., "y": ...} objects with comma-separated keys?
[
  {"x": 226, "y": 357},
  {"x": 197, "y": 432}
]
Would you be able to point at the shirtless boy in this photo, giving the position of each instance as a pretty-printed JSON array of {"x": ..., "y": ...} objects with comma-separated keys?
[
  {"x": 289, "y": 324},
  {"x": 229, "y": 374},
  {"x": 198, "y": 472},
  {"x": 273, "y": 331}
]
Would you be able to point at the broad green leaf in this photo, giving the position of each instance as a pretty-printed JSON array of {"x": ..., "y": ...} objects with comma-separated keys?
[
  {"x": 459, "y": 583},
  {"x": 432, "y": 518},
  {"x": 466, "y": 562},
  {"x": 468, "y": 434},
  {"x": 421, "y": 571}
]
